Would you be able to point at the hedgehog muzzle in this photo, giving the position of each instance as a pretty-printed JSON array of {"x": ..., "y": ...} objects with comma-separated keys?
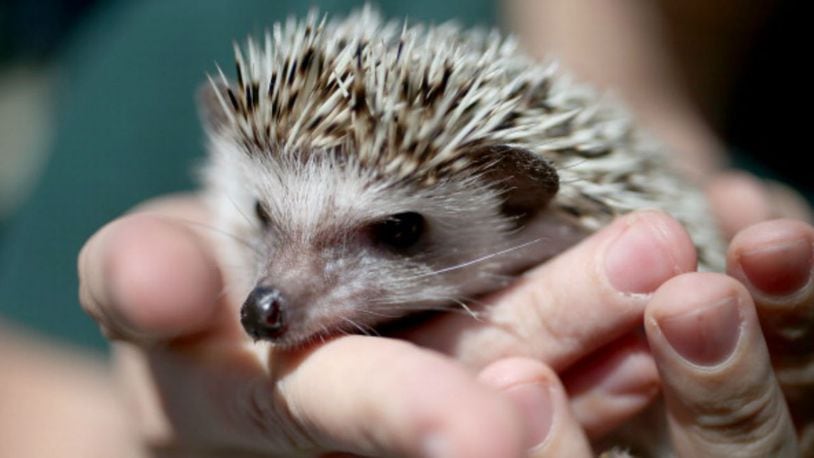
[{"x": 263, "y": 314}]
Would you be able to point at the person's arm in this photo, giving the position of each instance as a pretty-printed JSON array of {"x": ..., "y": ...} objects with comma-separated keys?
[
  {"x": 60, "y": 402},
  {"x": 620, "y": 46}
]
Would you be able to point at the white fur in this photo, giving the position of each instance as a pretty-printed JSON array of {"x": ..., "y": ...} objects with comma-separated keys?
[{"x": 328, "y": 163}]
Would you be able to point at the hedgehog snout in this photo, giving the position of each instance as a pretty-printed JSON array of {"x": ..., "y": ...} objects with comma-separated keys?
[{"x": 263, "y": 314}]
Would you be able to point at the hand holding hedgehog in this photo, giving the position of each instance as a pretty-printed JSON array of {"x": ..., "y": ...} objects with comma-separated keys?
[
  {"x": 565, "y": 358},
  {"x": 176, "y": 345}
]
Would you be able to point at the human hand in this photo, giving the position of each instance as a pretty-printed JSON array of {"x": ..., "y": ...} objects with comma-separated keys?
[
  {"x": 620, "y": 381},
  {"x": 780, "y": 265},
  {"x": 580, "y": 314},
  {"x": 707, "y": 412},
  {"x": 738, "y": 398},
  {"x": 151, "y": 281},
  {"x": 773, "y": 259}
]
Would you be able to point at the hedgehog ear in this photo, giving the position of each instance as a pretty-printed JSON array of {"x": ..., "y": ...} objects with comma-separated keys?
[
  {"x": 529, "y": 181},
  {"x": 211, "y": 97}
]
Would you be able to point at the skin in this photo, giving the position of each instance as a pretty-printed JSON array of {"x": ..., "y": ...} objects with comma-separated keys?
[
  {"x": 172, "y": 341},
  {"x": 648, "y": 53},
  {"x": 618, "y": 45},
  {"x": 705, "y": 347},
  {"x": 152, "y": 284},
  {"x": 58, "y": 401},
  {"x": 167, "y": 349}
]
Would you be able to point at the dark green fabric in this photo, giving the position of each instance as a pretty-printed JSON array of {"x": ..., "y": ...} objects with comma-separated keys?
[{"x": 128, "y": 130}]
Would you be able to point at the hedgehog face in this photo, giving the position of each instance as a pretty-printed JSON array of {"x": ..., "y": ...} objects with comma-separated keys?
[
  {"x": 367, "y": 169},
  {"x": 327, "y": 246}
]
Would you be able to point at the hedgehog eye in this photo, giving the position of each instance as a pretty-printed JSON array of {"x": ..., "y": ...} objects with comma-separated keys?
[
  {"x": 261, "y": 213},
  {"x": 400, "y": 231}
]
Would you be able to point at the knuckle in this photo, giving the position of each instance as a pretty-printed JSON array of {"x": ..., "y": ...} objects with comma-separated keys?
[
  {"x": 530, "y": 314},
  {"x": 796, "y": 377},
  {"x": 541, "y": 326},
  {"x": 553, "y": 323},
  {"x": 757, "y": 421},
  {"x": 789, "y": 326},
  {"x": 266, "y": 415}
]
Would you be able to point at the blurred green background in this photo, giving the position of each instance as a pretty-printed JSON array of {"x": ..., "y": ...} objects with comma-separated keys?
[
  {"x": 97, "y": 114},
  {"x": 105, "y": 91}
]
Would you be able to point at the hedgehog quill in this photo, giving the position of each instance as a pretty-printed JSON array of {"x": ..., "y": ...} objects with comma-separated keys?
[{"x": 371, "y": 169}]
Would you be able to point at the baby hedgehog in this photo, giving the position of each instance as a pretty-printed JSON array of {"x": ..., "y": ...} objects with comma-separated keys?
[{"x": 368, "y": 169}]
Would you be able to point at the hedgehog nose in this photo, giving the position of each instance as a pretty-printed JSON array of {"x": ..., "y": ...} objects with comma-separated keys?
[{"x": 262, "y": 314}]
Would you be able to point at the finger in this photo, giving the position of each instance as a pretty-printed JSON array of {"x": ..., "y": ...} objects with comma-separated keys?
[
  {"x": 390, "y": 395},
  {"x": 738, "y": 200},
  {"x": 774, "y": 260},
  {"x": 721, "y": 395},
  {"x": 612, "y": 385},
  {"x": 147, "y": 277},
  {"x": 575, "y": 303},
  {"x": 787, "y": 202},
  {"x": 537, "y": 393},
  {"x": 364, "y": 395}
]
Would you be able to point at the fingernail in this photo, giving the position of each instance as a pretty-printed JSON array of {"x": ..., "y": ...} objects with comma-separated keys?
[
  {"x": 636, "y": 261},
  {"x": 534, "y": 402},
  {"x": 706, "y": 335},
  {"x": 778, "y": 268}
]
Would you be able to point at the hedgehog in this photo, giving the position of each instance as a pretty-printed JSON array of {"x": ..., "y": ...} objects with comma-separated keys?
[{"x": 367, "y": 169}]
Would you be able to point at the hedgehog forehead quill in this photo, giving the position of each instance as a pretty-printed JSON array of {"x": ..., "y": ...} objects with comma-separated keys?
[{"x": 367, "y": 169}]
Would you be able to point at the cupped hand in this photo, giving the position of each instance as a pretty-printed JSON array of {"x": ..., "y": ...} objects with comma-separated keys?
[
  {"x": 197, "y": 386},
  {"x": 563, "y": 311},
  {"x": 772, "y": 254},
  {"x": 580, "y": 314},
  {"x": 151, "y": 281}
]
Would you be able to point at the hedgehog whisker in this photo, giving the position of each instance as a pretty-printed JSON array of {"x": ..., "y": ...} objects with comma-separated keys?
[
  {"x": 237, "y": 207},
  {"x": 355, "y": 325},
  {"x": 246, "y": 243},
  {"x": 500, "y": 276},
  {"x": 573, "y": 164},
  {"x": 475, "y": 261},
  {"x": 382, "y": 315},
  {"x": 323, "y": 332},
  {"x": 462, "y": 309},
  {"x": 373, "y": 330},
  {"x": 225, "y": 291},
  {"x": 399, "y": 306},
  {"x": 467, "y": 309},
  {"x": 363, "y": 329}
]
